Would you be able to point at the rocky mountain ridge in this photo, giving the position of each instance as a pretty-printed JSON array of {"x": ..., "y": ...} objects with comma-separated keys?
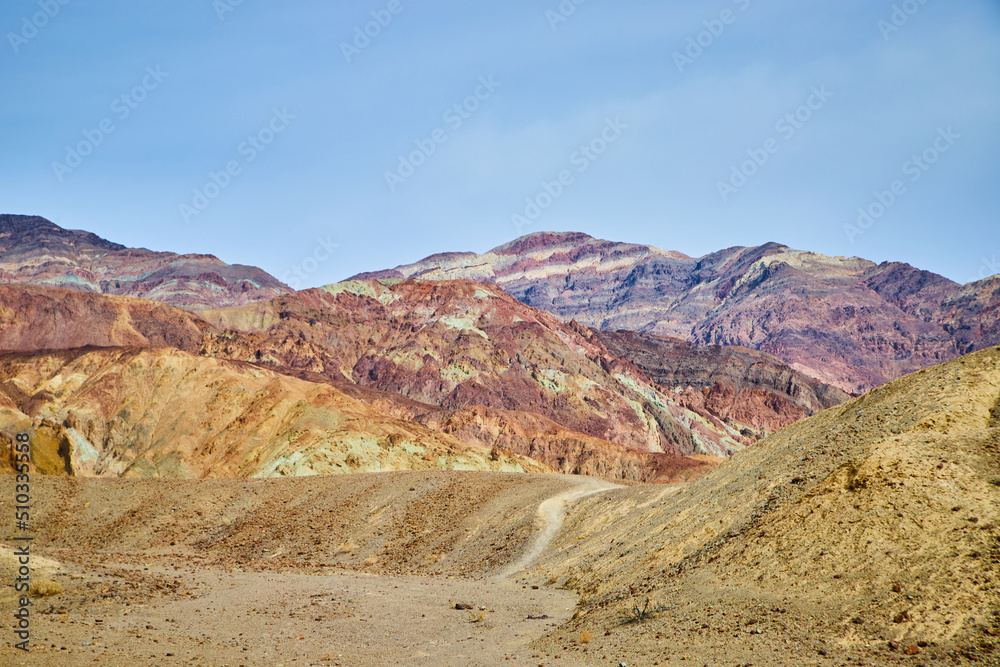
[
  {"x": 847, "y": 321},
  {"x": 38, "y": 252},
  {"x": 754, "y": 389},
  {"x": 161, "y": 412},
  {"x": 319, "y": 338}
]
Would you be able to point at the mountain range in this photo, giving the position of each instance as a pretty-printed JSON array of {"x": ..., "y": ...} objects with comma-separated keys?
[
  {"x": 846, "y": 321},
  {"x": 35, "y": 251},
  {"x": 554, "y": 352}
]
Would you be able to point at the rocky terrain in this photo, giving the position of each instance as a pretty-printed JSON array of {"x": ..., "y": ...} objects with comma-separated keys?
[
  {"x": 50, "y": 318},
  {"x": 848, "y": 322},
  {"x": 865, "y": 535},
  {"x": 46, "y": 318},
  {"x": 754, "y": 390},
  {"x": 870, "y": 530},
  {"x": 459, "y": 344},
  {"x": 37, "y": 252},
  {"x": 161, "y": 412},
  {"x": 525, "y": 382}
]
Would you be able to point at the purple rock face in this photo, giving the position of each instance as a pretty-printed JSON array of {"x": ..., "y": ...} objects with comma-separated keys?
[
  {"x": 847, "y": 321},
  {"x": 37, "y": 252},
  {"x": 753, "y": 389}
]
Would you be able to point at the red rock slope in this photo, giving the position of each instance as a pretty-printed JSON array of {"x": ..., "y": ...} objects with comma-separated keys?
[
  {"x": 459, "y": 344},
  {"x": 46, "y": 318},
  {"x": 161, "y": 412}
]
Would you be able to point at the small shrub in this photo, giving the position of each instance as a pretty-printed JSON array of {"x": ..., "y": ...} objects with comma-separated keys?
[
  {"x": 643, "y": 612},
  {"x": 584, "y": 637},
  {"x": 344, "y": 548},
  {"x": 45, "y": 588}
]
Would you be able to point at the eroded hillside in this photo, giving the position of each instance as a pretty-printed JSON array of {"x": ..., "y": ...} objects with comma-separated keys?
[
  {"x": 161, "y": 412},
  {"x": 878, "y": 519},
  {"x": 462, "y": 344}
]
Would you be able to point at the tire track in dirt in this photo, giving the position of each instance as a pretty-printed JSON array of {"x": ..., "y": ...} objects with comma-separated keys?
[{"x": 552, "y": 513}]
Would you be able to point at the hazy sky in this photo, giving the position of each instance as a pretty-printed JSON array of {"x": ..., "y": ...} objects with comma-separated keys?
[{"x": 691, "y": 126}]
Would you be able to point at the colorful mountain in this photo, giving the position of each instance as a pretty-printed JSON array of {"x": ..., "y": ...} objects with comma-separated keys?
[
  {"x": 35, "y": 251},
  {"x": 849, "y": 322}
]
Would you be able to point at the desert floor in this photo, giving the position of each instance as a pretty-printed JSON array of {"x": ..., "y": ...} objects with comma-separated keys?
[{"x": 369, "y": 570}]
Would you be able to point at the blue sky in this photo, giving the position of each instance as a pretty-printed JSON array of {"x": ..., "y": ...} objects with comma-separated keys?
[{"x": 643, "y": 125}]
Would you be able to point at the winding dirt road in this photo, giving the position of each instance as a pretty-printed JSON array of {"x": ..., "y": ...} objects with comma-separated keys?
[{"x": 552, "y": 512}]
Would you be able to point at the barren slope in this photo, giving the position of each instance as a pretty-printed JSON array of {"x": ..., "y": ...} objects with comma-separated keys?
[
  {"x": 460, "y": 344},
  {"x": 49, "y": 318},
  {"x": 161, "y": 412},
  {"x": 754, "y": 390},
  {"x": 875, "y": 521},
  {"x": 259, "y": 572},
  {"x": 33, "y": 318},
  {"x": 867, "y": 534}
]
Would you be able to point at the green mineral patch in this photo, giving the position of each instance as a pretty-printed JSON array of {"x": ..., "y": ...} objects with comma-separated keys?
[
  {"x": 412, "y": 449},
  {"x": 648, "y": 393},
  {"x": 552, "y": 379},
  {"x": 463, "y": 323},
  {"x": 457, "y": 373},
  {"x": 82, "y": 452},
  {"x": 360, "y": 288}
]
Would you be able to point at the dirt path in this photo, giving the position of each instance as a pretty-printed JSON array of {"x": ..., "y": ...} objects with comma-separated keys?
[
  {"x": 552, "y": 512},
  {"x": 258, "y": 572}
]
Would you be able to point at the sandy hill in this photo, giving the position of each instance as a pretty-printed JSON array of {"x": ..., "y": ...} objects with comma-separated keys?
[{"x": 875, "y": 521}]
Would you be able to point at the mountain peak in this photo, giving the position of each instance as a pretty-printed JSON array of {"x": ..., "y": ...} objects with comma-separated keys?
[
  {"x": 537, "y": 240},
  {"x": 803, "y": 307},
  {"x": 21, "y": 231},
  {"x": 36, "y": 251}
]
